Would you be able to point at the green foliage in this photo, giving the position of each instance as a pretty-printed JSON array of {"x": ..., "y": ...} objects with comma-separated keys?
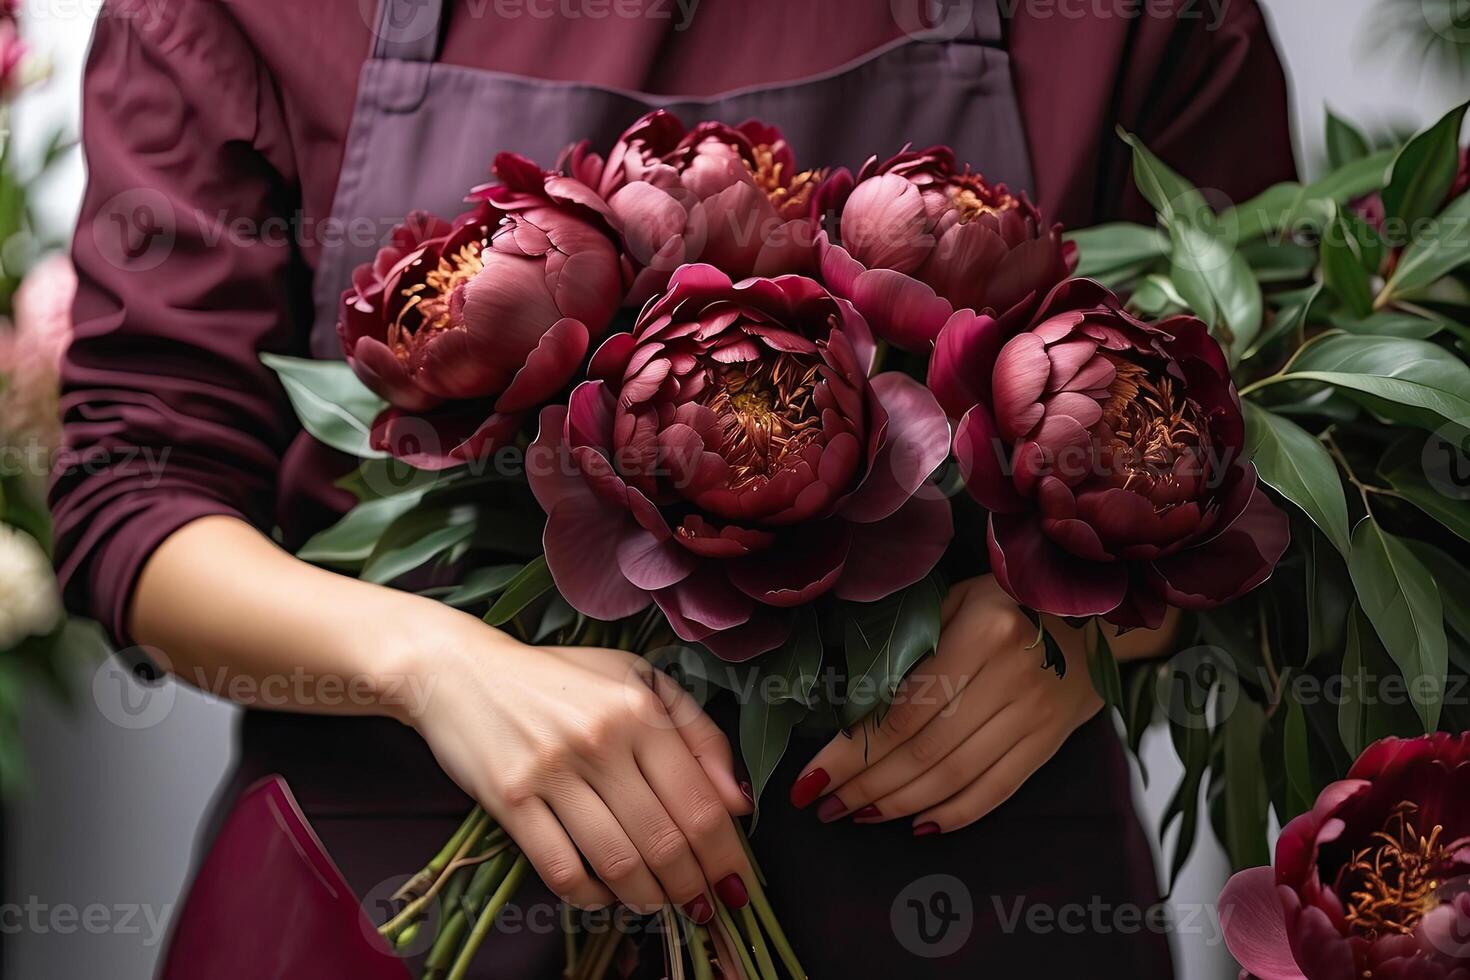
[{"x": 1356, "y": 393}]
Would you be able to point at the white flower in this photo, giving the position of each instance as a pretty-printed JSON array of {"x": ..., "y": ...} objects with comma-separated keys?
[{"x": 29, "y": 603}]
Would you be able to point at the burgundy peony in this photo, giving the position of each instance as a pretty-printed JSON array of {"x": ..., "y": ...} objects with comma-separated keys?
[
  {"x": 732, "y": 460},
  {"x": 467, "y": 327},
  {"x": 1373, "y": 881},
  {"x": 922, "y": 238},
  {"x": 730, "y": 196},
  {"x": 1110, "y": 454}
]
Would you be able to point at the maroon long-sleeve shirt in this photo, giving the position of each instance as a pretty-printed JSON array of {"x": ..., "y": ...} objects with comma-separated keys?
[{"x": 221, "y": 124}]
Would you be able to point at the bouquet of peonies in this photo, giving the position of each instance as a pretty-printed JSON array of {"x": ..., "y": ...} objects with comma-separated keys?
[
  {"x": 36, "y": 289},
  {"x": 692, "y": 400}
]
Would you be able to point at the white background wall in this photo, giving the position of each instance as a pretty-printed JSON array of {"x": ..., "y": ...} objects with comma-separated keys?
[{"x": 121, "y": 781}]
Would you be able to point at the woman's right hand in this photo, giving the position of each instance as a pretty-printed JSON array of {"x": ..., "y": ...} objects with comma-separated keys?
[{"x": 584, "y": 749}]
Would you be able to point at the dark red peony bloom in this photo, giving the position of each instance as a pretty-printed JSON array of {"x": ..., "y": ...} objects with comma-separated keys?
[
  {"x": 1110, "y": 453},
  {"x": 732, "y": 460},
  {"x": 730, "y": 196},
  {"x": 467, "y": 327},
  {"x": 1373, "y": 881},
  {"x": 922, "y": 238}
]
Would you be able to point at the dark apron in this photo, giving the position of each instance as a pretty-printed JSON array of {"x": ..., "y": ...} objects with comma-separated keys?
[{"x": 858, "y": 901}]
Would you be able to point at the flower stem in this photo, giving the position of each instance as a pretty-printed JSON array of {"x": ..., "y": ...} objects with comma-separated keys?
[
  {"x": 446, "y": 946},
  {"x": 736, "y": 941},
  {"x": 757, "y": 942},
  {"x": 503, "y": 893},
  {"x": 767, "y": 915},
  {"x": 699, "y": 953}
]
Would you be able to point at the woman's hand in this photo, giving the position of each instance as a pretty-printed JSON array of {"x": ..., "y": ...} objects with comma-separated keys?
[
  {"x": 967, "y": 727},
  {"x": 588, "y": 752}
]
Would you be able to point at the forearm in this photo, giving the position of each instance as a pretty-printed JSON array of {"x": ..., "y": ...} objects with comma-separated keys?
[{"x": 233, "y": 614}]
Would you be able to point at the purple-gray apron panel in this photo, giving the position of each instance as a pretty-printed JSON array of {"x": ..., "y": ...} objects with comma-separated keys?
[{"x": 423, "y": 133}]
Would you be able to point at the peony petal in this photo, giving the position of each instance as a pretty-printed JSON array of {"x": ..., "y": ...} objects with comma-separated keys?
[
  {"x": 1254, "y": 926},
  {"x": 581, "y": 541},
  {"x": 914, "y": 446},
  {"x": 445, "y": 438},
  {"x": 803, "y": 566},
  {"x": 1021, "y": 371},
  {"x": 897, "y": 551},
  {"x": 766, "y": 629},
  {"x": 984, "y": 461},
  {"x": 703, "y": 603},
  {"x": 1231, "y": 564},
  {"x": 1042, "y": 576},
  {"x": 964, "y": 357},
  {"x": 650, "y": 563},
  {"x": 548, "y": 368}
]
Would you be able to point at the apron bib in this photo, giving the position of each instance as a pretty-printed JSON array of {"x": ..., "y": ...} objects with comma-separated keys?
[{"x": 423, "y": 133}]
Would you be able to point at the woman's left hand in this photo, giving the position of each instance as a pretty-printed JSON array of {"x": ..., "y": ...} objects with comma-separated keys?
[{"x": 967, "y": 727}]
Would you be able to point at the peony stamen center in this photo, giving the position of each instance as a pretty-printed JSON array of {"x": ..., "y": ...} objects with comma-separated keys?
[
  {"x": 789, "y": 196},
  {"x": 1391, "y": 885},
  {"x": 766, "y": 414},
  {"x": 427, "y": 303},
  {"x": 1153, "y": 427},
  {"x": 973, "y": 196}
]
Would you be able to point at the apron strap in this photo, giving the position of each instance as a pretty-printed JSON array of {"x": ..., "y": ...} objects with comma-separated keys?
[
  {"x": 973, "y": 21},
  {"x": 408, "y": 30}
]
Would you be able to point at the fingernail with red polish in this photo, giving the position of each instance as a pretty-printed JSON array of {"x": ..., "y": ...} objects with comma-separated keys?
[
  {"x": 699, "y": 910},
  {"x": 926, "y": 830},
  {"x": 747, "y": 792},
  {"x": 809, "y": 787},
  {"x": 731, "y": 891},
  {"x": 869, "y": 812},
  {"x": 830, "y": 809}
]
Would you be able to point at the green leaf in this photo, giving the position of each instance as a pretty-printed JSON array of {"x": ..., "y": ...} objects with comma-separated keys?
[
  {"x": 1345, "y": 265},
  {"x": 1430, "y": 256},
  {"x": 1403, "y": 468},
  {"x": 1329, "y": 594},
  {"x": 1156, "y": 296},
  {"x": 1424, "y": 170},
  {"x": 1113, "y": 253},
  {"x": 790, "y": 670},
  {"x": 417, "y": 538},
  {"x": 1298, "y": 467},
  {"x": 1218, "y": 283},
  {"x": 1345, "y": 143},
  {"x": 1245, "y": 789},
  {"x": 352, "y": 539},
  {"x": 1175, "y": 199},
  {"x": 1290, "y": 319},
  {"x": 1103, "y": 669},
  {"x": 1413, "y": 373},
  {"x": 1453, "y": 580},
  {"x": 882, "y": 641},
  {"x": 1367, "y": 712},
  {"x": 1300, "y": 794},
  {"x": 558, "y": 616},
  {"x": 1192, "y": 745},
  {"x": 332, "y": 404},
  {"x": 1390, "y": 324},
  {"x": 1283, "y": 207},
  {"x": 1399, "y": 597},
  {"x": 765, "y": 731},
  {"x": 533, "y": 582},
  {"x": 483, "y": 584}
]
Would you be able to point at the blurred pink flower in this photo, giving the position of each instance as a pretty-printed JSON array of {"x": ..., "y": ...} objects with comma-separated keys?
[
  {"x": 13, "y": 51},
  {"x": 31, "y": 352}
]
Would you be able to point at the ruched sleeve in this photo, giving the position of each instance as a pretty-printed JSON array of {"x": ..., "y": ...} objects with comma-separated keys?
[{"x": 187, "y": 270}]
